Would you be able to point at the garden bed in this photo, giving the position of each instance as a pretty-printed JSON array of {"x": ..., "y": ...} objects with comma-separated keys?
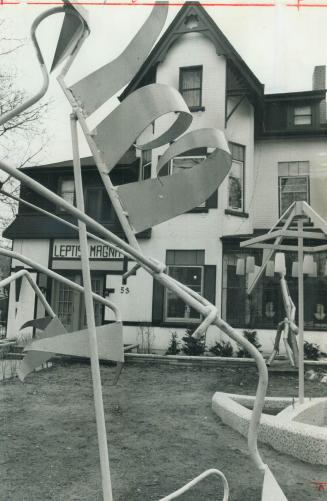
[{"x": 162, "y": 432}]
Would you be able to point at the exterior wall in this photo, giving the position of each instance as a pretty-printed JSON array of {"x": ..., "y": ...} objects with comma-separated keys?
[
  {"x": 198, "y": 230},
  {"x": 21, "y": 312},
  {"x": 194, "y": 49},
  {"x": 240, "y": 130},
  {"x": 267, "y": 156}
]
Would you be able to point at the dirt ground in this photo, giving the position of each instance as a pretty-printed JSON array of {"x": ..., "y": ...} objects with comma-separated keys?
[{"x": 161, "y": 431}]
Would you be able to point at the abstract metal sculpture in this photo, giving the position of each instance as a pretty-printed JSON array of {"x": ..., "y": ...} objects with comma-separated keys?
[
  {"x": 137, "y": 205},
  {"x": 286, "y": 328},
  {"x": 295, "y": 214}
]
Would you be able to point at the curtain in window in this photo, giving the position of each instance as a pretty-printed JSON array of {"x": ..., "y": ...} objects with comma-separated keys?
[
  {"x": 191, "y": 87},
  {"x": 264, "y": 308}
]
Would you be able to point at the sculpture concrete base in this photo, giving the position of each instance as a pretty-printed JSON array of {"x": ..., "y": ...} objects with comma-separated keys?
[{"x": 298, "y": 430}]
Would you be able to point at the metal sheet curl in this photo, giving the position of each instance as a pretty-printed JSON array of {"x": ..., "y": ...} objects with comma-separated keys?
[
  {"x": 110, "y": 78},
  {"x": 154, "y": 201},
  {"x": 134, "y": 115}
]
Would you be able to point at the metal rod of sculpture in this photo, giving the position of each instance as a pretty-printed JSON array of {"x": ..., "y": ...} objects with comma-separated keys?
[
  {"x": 170, "y": 101},
  {"x": 294, "y": 214},
  {"x": 26, "y": 274},
  {"x": 300, "y": 312},
  {"x": 55, "y": 276},
  {"x": 95, "y": 366},
  {"x": 286, "y": 328},
  {"x": 157, "y": 271}
]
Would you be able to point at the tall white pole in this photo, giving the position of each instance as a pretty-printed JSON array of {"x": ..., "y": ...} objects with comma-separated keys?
[
  {"x": 300, "y": 312},
  {"x": 94, "y": 356}
]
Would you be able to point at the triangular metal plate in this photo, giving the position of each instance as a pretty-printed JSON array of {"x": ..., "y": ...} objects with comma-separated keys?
[{"x": 70, "y": 30}]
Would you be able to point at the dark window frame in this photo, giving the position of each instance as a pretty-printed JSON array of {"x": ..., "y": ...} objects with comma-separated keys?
[
  {"x": 315, "y": 118},
  {"x": 174, "y": 257},
  {"x": 185, "y": 69}
]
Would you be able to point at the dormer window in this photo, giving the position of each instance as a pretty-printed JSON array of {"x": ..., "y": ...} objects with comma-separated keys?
[
  {"x": 302, "y": 115},
  {"x": 190, "y": 86}
]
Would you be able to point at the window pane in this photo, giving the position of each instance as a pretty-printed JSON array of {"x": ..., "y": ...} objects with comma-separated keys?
[
  {"x": 302, "y": 115},
  {"x": 190, "y": 85},
  {"x": 302, "y": 120},
  {"x": 92, "y": 202},
  {"x": 67, "y": 191},
  {"x": 192, "y": 97},
  {"x": 264, "y": 308},
  {"x": 292, "y": 189},
  {"x": 191, "y": 79},
  {"x": 235, "y": 198},
  {"x": 146, "y": 157},
  {"x": 175, "y": 307}
]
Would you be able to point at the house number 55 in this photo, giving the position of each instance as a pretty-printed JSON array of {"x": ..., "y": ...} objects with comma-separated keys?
[{"x": 124, "y": 290}]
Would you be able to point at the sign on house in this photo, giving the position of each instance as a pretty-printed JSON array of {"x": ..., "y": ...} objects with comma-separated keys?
[{"x": 66, "y": 254}]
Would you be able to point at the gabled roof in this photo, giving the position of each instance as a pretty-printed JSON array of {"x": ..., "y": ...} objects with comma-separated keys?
[{"x": 204, "y": 24}]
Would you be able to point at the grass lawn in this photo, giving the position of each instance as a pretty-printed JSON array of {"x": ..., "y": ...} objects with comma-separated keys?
[{"x": 161, "y": 431}]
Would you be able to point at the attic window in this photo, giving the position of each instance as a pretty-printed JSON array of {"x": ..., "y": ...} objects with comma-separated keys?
[
  {"x": 302, "y": 115},
  {"x": 192, "y": 22},
  {"x": 190, "y": 86}
]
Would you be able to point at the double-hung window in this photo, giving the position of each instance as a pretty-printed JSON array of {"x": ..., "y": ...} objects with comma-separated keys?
[
  {"x": 293, "y": 178},
  {"x": 186, "y": 266},
  {"x": 190, "y": 86},
  {"x": 236, "y": 178},
  {"x": 302, "y": 115}
]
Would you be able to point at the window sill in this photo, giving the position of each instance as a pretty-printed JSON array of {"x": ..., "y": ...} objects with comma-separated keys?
[
  {"x": 198, "y": 210},
  {"x": 236, "y": 213},
  {"x": 180, "y": 324},
  {"x": 196, "y": 108}
]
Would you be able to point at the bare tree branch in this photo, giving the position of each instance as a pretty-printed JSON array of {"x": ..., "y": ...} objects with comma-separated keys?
[{"x": 17, "y": 136}]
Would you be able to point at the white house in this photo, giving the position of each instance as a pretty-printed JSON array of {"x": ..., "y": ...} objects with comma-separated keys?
[{"x": 277, "y": 143}]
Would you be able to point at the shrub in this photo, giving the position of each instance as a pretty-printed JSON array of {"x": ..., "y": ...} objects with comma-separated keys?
[
  {"x": 251, "y": 336},
  {"x": 222, "y": 349},
  {"x": 311, "y": 351},
  {"x": 173, "y": 347},
  {"x": 192, "y": 346}
]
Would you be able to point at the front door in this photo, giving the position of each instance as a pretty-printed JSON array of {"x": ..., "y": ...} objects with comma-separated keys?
[{"x": 68, "y": 304}]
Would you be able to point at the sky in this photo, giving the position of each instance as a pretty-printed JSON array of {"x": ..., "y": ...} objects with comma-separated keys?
[{"x": 280, "y": 44}]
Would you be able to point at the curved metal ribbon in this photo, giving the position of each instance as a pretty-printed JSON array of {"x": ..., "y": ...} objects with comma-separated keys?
[
  {"x": 73, "y": 26},
  {"x": 134, "y": 115},
  {"x": 110, "y": 78},
  {"x": 154, "y": 201}
]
